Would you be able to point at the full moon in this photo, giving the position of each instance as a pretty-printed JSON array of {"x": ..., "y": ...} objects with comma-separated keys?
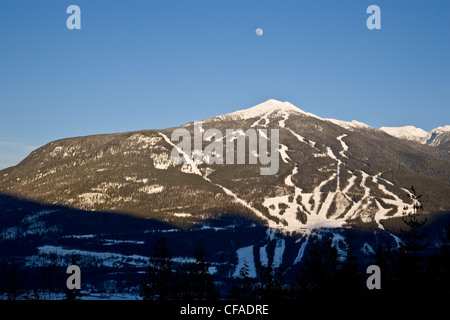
[{"x": 259, "y": 32}]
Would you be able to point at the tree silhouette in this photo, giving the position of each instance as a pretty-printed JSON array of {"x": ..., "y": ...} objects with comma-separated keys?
[
  {"x": 159, "y": 281},
  {"x": 244, "y": 287},
  {"x": 201, "y": 282},
  {"x": 386, "y": 258},
  {"x": 317, "y": 275},
  {"x": 270, "y": 286},
  {"x": 439, "y": 266},
  {"x": 411, "y": 263},
  {"x": 349, "y": 273},
  {"x": 12, "y": 280}
]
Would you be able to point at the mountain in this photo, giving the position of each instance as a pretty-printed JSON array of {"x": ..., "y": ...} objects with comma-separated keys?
[
  {"x": 438, "y": 137},
  {"x": 331, "y": 173},
  {"x": 110, "y": 198},
  {"x": 407, "y": 132}
]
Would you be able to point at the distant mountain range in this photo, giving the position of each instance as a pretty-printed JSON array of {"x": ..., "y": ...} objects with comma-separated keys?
[
  {"x": 438, "y": 137},
  {"x": 332, "y": 173}
]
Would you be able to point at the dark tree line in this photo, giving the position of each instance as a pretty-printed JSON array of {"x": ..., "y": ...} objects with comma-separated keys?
[
  {"x": 415, "y": 269},
  {"x": 162, "y": 283},
  {"x": 407, "y": 271}
]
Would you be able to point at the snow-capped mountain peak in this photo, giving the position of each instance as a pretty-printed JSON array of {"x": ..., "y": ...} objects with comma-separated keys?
[
  {"x": 441, "y": 129},
  {"x": 349, "y": 124},
  {"x": 406, "y": 132},
  {"x": 438, "y": 137},
  {"x": 266, "y": 108}
]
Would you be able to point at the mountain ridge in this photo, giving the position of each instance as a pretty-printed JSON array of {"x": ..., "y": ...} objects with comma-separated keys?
[
  {"x": 438, "y": 137},
  {"x": 330, "y": 174}
]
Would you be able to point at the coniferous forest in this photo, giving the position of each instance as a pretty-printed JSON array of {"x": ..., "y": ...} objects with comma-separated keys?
[{"x": 411, "y": 268}]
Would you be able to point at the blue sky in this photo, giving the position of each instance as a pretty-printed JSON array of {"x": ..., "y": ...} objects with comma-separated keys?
[{"x": 156, "y": 64}]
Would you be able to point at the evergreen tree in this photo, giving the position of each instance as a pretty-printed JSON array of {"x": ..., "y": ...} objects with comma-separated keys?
[
  {"x": 48, "y": 275},
  {"x": 244, "y": 287},
  {"x": 159, "y": 280},
  {"x": 411, "y": 263},
  {"x": 412, "y": 236},
  {"x": 439, "y": 267},
  {"x": 270, "y": 286},
  {"x": 180, "y": 287},
  {"x": 349, "y": 273},
  {"x": 12, "y": 281},
  {"x": 386, "y": 259},
  {"x": 201, "y": 282},
  {"x": 317, "y": 277}
]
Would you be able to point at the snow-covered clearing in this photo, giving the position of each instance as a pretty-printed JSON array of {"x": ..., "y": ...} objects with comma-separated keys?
[{"x": 245, "y": 258}]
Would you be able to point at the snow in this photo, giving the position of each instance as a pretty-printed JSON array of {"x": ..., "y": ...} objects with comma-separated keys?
[
  {"x": 301, "y": 139},
  {"x": 349, "y": 125},
  {"x": 282, "y": 123},
  {"x": 109, "y": 242},
  {"x": 379, "y": 176},
  {"x": 187, "y": 162},
  {"x": 110, "y": 296},
  {"x": 442, "y": 129},
  {"x": 406, "y": 132},
  {"x": 412, "y": 133},
  {"x": 362, "y": 204},
  {"x": 278, "y": 253},
  {"x": 350, "y": 184},
  {"x": 266, "y": 108},
  {"x": 331, "y": 154},
  {"x": 367, "y": 249},
  {"x": 326, "y": 204},
  {"x": 161, "y": 161},
  {"x": 265, "y": 118},
  {"x": 107, "y": 258},
  {"x": 244, "y": 203},
  {"x": 301, "y": 251},
  {"x": 183, "y": 260},
  {"x": 92, "y": 198},
  {"x": 190, "y": 166},
  {"x": 182, "y": 215},
  {"x": 143, "y": 141},
  {"x": 212, "y": 270},
  {"x": 344, "y": 145},
  {"x": 263, "y": 258},
  {"x": 315, "y": 218},
  {"x": 335, "y": 243},
  {"x": 283, "y": 153},
  {"x": 434, "y": 136},
  {"x": 81, "y": 236},
  {"x": 245, "y": 256},
  {"x": 290, "y": 215},
  {"x": 397, "y": 240},
  {"x": 152, "y": 189}
]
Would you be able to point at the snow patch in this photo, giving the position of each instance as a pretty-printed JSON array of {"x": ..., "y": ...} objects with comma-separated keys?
[
  {"x": 349, "y": 125},
  {"x": 155, "y": 188},
  {"x": 283, "y": 153},
  {"x": 182, "y": 215},
  {"x": 406, "y": 132},
  {"x": 267, "y": 107},
  {"x": 367, "y": 249},
  {"x": 278, "y": 253},
  {"x": 263, "y": 258},
  {"x": 245, "y": 257},
  {"x": 92, "y": 198},
  {"x": 301, "y": 251}
]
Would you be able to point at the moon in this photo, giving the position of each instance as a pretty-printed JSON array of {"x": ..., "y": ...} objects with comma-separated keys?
[{"x": 259, "y": 32}]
